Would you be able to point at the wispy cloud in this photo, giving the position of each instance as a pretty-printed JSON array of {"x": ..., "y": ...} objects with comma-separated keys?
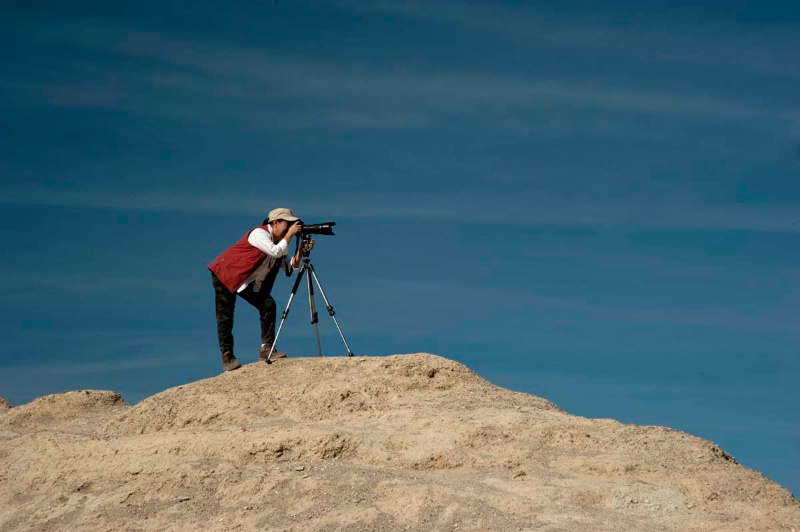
[
  {"x": 712, "y": 44},
  {"x": 506, "y": 300},
  {"x": 301, "y": 78},
  {"x": 73, "y": 279},
  {"x": 163, "y": 199},
  {"x": 113, "y": 366},
  {"x": 448, "y": 207},
  {"x": 205, "y": 82}
]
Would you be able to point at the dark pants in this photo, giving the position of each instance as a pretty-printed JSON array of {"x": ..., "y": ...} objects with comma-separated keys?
[{"x": 226, "y": 303}]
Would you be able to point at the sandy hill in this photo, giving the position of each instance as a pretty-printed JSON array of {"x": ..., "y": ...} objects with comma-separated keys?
[{"x": 406, "y": 442}]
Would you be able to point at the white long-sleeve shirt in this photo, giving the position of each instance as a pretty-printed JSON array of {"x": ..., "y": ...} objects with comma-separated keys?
[{"x": 262, "y": 239}]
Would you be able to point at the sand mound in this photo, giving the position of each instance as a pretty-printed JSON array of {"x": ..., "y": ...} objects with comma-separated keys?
[
  {"x": 4, "y": 405},
  {"x": 64, "y": 408},
  {"x": 403, "y": 442},
  {"x": 328, "y": 388}
]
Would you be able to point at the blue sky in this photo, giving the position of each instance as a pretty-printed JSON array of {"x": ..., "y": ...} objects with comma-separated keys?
[{"x": 593, "y": 202}]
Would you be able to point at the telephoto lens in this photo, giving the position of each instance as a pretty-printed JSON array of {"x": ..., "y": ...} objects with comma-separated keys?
[{"x": 325, "y": 228}]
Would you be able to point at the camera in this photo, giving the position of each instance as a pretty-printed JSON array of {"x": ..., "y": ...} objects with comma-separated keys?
[{"x": 324, "y": 228}]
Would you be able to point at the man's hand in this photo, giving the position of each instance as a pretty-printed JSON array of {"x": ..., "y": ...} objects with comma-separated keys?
[
  {"x": 294, "y": 230},
  {"x": 307, "y": 245}
]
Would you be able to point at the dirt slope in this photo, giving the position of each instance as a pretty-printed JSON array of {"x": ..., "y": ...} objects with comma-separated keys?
[{"x": 406, "y": 442}]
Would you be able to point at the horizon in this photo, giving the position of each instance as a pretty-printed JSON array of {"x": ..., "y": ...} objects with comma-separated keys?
[{"x": 594, "y": 203}]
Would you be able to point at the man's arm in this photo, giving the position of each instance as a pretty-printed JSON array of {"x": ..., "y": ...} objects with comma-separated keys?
[
  {"x": 260, "y": 239},
  {"x": 295, "y": 262}
]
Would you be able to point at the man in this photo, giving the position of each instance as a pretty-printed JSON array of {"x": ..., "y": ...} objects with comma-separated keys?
[{"x": 248, "y": 269}]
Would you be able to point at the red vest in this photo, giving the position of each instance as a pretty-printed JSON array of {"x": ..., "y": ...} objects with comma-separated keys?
[{"x": 238, "y": 262}]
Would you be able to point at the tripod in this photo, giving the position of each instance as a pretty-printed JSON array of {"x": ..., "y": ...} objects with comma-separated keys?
[{"x": 308, "y": 267}]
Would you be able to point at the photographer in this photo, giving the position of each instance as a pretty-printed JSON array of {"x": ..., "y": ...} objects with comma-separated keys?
[{"x": 248, "y": 269}]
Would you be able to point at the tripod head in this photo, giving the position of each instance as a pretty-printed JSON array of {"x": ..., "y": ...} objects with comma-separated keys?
[{"x": 305, "y": 242}]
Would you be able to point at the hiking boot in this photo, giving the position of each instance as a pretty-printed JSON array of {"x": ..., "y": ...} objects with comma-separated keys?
[
  {"x": 229, "y": 362},
  {"x": 263, "y": 352}
]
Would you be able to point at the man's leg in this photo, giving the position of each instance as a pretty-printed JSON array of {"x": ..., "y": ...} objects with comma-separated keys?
[
  {"x": 225, "y": 302},
  {"x": 267, "y": 312}
]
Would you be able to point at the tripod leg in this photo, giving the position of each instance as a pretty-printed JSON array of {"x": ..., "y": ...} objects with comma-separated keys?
[
  {"x": 312, "y": 307},
  {"x": 286, "y": 311},
  {"x": 328, "y": 306}
]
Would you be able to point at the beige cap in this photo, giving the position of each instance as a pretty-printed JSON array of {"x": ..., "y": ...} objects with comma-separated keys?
[{"x": 282, "y": 213}]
